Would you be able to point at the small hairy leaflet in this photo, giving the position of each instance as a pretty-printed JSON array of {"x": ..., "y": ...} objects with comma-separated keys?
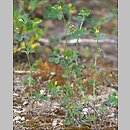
[{"x": 72, "y": 28}]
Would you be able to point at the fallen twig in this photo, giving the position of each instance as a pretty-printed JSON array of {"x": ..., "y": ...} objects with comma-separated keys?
[
  {"x": 27, "y": 72},
  {"x": 73, "y": 41}
]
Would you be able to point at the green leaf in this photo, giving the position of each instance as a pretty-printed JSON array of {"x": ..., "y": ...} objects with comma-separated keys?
[
  {"x": 91, "y": 82},
  {"x": 51, "y": 85},
  {"x": 30, "y": 81},
  {"x": 25, "y": 18},
  {"x": 53, "y": 14},
  {"x": 60, "y": 16},
  {"x": 45, "y": 98},
  {"x": 23, "y": 51},
  {"x": 57, "y": 60},
  {"x": 55, "y": 91},
  {"x": 65, "y": 102},
  {"x": 85, "y": 12},
  {"x": 81, "y": 32},
  {"x": 69, "y": 53},
  {"x": 51, "y": 59},
  {"x": 66, "y": 10},
  {"x": 29, "y": 26},
  {"x": 31, "y": 51},
  {"x": 92, "y": 30},
  {"x": 19, "y": 37},
  {"x": 56, "y": 52},
  {"x": 74, "y": 35},
  {"x": 63, "y": 63},
  {"x": 83, "y": 87},
  {"x": 112, "y": 98},
  {"x": 37, "y": 21}
]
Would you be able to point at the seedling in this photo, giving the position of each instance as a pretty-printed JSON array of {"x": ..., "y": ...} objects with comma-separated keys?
[{"x": 69, "y": 61}]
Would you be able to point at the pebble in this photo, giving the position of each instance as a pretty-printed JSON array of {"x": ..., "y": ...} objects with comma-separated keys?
[
  {"x": 17, "y": 118},
  {"x": 52, "y": 73},
  {"x": 49, "y": 95},
  {"x": 107, "y": 103},
  {"x": 22, "y": 118},
  {"x": 112, "y": 115},
  {"x": 17, "y": 122},
  {"x": 15, "y": 94},
  {"x": 25, "y": 103},
  {"x": 86, "y": 110},
  {"x": 54, "y": 123},
  {"x": 42, "y": 92}
]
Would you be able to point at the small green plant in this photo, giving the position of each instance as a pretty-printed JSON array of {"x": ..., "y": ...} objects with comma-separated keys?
[
  {"x": 74, "y": 71},
  {"x": 72, "y": 95},
  {"x": 113, "y": 98},
  {"x": 26, "y": 31}
]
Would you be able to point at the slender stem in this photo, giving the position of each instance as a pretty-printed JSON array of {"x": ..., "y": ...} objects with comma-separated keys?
[
  {"x": 30, "y": 74},
  {"x": 66, "y": 42},
  {"x": 95, "y": 65},
  {"x": 94, "y": 86},
  {"x": 78, "y": 36},
  {"x": 81, "y": 23},
  {"x": 65, "y": 23},
  {"x": 77, "y": 43}
]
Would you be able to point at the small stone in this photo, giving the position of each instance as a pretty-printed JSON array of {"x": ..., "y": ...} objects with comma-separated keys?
[
  {"x": 98, "y": 105},
  {"x": 15, "y": 94},
  {"x": 54, "y": 123},
  {"x": 17, "y": 118},
  {"x": 17, "y": 122},
  {"x": 49, "y": 95},
  {"x": 86, "y": 110},
  {"x": 19, "y": 112},
  {"x": 23, "y": 118},
  {"x": 39, "y": 104},
  {"x": 107, "y": 103},
  {"x": 61, "y": 123},
  {"x": 42, "y": 92},
  {"x": 112, "y": 115},
  {"x": 52, "y": 73},
  {"x": 25, "y": 103}
]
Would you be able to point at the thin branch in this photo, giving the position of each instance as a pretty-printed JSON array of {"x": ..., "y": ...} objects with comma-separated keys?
[{"x": 73, "y": 41}]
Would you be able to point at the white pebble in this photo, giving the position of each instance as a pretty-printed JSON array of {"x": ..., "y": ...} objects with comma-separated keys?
[
  {"x": 17, "y": 118},
  {"x": 49, "y": 95},
  {"x": 86, "y": 110},
  {"x": 41, "y": 92},
  {"x": 25, "y": 103},
  {"x": 23, "y": 118},
  {"x": 54, "y": 123},
  {"x": 15, "y": 94}
]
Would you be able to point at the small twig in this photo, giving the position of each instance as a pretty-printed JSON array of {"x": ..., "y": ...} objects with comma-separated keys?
[
  {"x": 27, "y": 72},
  {"x": 107, "y": 68},
  {"x": 73, "y": 41},
  {"x": 23, "y": 72}
]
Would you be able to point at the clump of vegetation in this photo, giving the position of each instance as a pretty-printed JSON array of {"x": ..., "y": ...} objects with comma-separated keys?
[{"x": 72, "y": 96}]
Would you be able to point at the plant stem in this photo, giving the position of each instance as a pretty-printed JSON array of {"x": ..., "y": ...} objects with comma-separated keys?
[
  {"x": 77, "y": 43},
  {"x": 30, "y": 74},
  {"x": 65, "y": 24},
  {"x": 95, "y": 67},
  {"x": 78, "y": 36}
]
